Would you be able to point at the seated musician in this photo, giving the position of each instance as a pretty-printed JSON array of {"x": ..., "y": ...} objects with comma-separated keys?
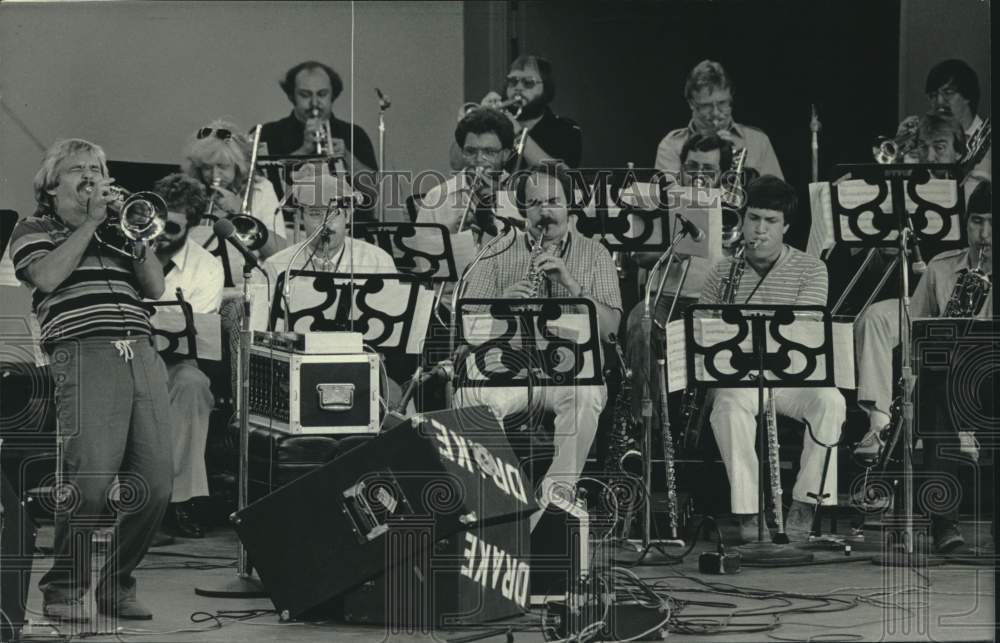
[
  {"x": 704, "y": 161},
  {"x": 531, "y": 80},
  {"x": 877, "y": 334},
  {"x": 940, "y": 140},
  {"x": 218, "y": 155},
  {"x": 775, "y": 274},
  {"x": 709, "y": 93},
  {"x": 332, "y": 250},
  {"x": 952, "y": 89},
  {"x": 570, "y": 266},
  {"x": 192, "y": 272}
]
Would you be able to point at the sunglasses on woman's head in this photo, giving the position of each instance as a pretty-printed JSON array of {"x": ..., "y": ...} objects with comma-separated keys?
[{"x": 221, "y": 134}]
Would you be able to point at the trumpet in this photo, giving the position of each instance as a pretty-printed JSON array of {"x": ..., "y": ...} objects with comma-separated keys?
[
  {"x": 323, "y": 137},
  {"x": 132, "y": 217},
  {"x": 216, "y": 182},
  {"x": 905, "y": 143},
  {"x": 250, "y": 230},
  {"x": 518, "y": 102}
]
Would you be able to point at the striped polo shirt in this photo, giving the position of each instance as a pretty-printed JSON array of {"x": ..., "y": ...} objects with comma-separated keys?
[
  {"x": 100, "y": 298},
  {"x": 587, "y": 260},
  {"x": 796, "y": 279}
]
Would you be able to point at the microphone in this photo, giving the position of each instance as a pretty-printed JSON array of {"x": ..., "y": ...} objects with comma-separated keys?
[
  {"x": 383, "y": 100},
  {"x": 919, "y": 266},
  {"x": 693, "y": 231},
  {"x": 226, "y": 231}
]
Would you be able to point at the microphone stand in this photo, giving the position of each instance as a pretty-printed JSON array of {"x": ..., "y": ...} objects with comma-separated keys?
[
  {"x": 449, "y": 365},
  {"x": 647, "y": 402},
  {"x": 383, "y": 104},
  {"x": 244, "y": 585},
  {"x": 286, "y": 287}
]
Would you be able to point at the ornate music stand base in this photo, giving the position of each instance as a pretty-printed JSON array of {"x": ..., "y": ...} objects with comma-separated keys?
[
  {"x": 764, "y": 554},
  {"x": 239, "y": 587}
]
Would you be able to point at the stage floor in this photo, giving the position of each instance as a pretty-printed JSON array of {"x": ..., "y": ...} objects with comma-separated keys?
[{"x": 950, "y": 602}]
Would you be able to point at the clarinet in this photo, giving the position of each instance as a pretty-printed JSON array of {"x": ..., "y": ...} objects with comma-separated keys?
[
  {"x": 693, "y": 407},
  {"x": 774, "y": 464}
]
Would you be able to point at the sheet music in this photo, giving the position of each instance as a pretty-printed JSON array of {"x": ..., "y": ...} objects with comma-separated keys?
[
  {"x": 711, "y": 330},
  {"x": 821, "y": 229}
]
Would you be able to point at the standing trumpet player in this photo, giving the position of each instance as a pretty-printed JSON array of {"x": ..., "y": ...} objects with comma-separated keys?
[
  {"x": 550, "y": 261},
  {"x": 775, "y": 274},
  {"x": 111, "y": 385},
  {"x": 312, "y": 128}
]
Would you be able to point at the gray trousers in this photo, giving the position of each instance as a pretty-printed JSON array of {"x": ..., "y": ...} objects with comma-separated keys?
[{"x": 114, "y": 420}]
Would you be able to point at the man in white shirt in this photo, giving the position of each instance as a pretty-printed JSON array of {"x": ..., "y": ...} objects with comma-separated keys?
[
  {"x": 191, "y": 273},
  {"x": 953, "y": 90},
  {"x": 710, "y": 95},
  {"x": 332, "y": 250}
]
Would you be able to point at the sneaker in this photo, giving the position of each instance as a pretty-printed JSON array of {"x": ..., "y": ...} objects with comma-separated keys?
[
  {"x": 798, "y": 522},
  {"x": 947, "y": 538},
  {"x": 70, "y": 611},
  {"x": 868, "y": 451}
]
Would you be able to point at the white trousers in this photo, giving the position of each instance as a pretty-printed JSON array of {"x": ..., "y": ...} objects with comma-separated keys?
[
  {"x": 876, "y": 334},
  {"x": 577, "y": 410},
  {"x": 734, "y": 422},
  {"x": 191, "y": 403}
]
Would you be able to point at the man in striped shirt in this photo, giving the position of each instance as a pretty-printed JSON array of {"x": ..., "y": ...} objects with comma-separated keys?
[
  {"x": 111, "y": 385},
  {"x": 776, "y": 274},
  {"x": 569, "y": 266}
]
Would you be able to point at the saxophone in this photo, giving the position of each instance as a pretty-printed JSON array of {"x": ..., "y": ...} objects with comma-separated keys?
[
  {"x": 970, "y": 292},
  {"x": 623, "y": 459}
]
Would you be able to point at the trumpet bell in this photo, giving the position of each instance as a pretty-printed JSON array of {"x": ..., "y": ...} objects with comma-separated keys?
[
  {"x": 132, "y": 217},
  {"x": 250, "y": 231}
]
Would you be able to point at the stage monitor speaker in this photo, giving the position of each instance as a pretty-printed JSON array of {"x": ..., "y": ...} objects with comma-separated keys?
[
  {"x": 17, "y": 547},
  {"x": 327, "y": 532},
  {"x": 468, "y": 578}
]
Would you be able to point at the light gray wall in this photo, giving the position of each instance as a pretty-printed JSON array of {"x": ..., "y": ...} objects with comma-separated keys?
[
  {"x": 139, "y": 77},
  {"x": 935, "y": 30}
]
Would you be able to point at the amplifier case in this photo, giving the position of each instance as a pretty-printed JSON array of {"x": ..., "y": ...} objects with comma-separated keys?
[{"x": 314, "y": 394}]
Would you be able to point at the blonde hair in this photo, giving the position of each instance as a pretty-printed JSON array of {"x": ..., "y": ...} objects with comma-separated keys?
[
  {"x": 200, "y": 152},
  {"x": 47, "y": 176}
]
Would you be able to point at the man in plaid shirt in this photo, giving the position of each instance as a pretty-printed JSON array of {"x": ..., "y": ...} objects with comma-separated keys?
[{"x": 572, "y": 266}]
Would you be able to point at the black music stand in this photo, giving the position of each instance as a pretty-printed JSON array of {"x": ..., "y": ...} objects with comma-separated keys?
[
  {"x": 517, "y": 343},
  {"x": 936, "y": 225},
  {"x": 621, "y": 226},
  {"x": 727, "y": 364},
  {"x": 407, "y": 244},
  {"x": 173, "y": 339},
  {"x": 899, "y": 227}
]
